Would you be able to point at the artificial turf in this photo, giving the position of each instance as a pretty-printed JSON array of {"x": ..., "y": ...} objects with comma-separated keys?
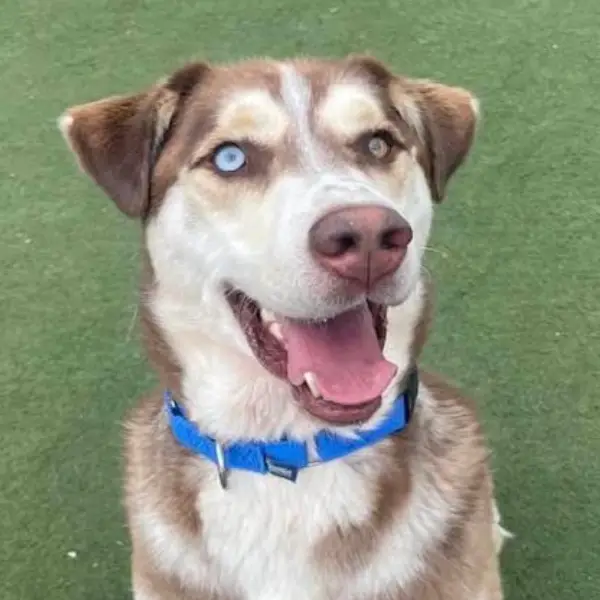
[{"x": 516, "y": 256}]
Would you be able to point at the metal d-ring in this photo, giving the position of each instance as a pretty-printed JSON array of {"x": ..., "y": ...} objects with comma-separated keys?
[{"x": 222, "y": 470}]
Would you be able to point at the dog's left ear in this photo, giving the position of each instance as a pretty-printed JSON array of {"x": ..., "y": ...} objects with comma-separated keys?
[
  {"x": 447, "y": 119},
  {"x": 117, "y": 140}
]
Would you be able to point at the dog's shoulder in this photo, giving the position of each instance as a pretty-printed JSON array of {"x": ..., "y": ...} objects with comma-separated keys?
[{"x": 451, "y": 442}]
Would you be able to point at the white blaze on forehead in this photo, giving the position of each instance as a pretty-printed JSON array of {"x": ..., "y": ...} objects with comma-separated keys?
[
  {"x": 296, "y": 94},
  {"x": 252, "y": 114},
  {"x": 349, "y": 109}
]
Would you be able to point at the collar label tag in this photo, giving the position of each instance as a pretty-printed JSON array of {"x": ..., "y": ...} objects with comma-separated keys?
[{"x": 283, "y": 471}]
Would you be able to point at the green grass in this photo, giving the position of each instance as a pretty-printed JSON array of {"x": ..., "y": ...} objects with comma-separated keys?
[{"x": 515, "y": 254}]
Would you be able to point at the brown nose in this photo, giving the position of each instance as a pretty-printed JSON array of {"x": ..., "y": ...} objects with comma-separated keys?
[{"x": 361, "y": 244}]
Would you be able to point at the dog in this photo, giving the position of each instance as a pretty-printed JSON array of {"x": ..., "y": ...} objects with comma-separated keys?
[{"x": 294, "y": 450}]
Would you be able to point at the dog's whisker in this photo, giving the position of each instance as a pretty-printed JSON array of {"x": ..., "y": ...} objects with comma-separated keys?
[
  {"x": 132, "y": 323},
  {"x": 435, "y": 250}
]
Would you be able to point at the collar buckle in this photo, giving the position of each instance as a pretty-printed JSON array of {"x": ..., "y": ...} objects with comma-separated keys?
[{"x": 222, "y": 470}]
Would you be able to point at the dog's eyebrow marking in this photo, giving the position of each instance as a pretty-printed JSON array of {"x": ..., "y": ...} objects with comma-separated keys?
[
  {"x": 296, "y": 94},
  {"x": 253, "y": 114},
  {"x": 349, "y": 109}
]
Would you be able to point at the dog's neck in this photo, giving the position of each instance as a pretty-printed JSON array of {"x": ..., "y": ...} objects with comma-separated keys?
[{"x": 225, "y": 390}]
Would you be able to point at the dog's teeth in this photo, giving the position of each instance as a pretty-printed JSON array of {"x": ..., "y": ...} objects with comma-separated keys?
[
  {"x": 276, "y": 331},
  {"x": 266, "y": 316},
  {"x": 313, "y": 386},
  {"x": 391, "y": 389}
]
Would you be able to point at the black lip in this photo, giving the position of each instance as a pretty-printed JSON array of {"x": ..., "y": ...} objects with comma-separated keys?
[{"x": 332, "y": 413}]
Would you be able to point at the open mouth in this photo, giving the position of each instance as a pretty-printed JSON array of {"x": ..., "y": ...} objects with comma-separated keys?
[{"x": 335, "y": 367}]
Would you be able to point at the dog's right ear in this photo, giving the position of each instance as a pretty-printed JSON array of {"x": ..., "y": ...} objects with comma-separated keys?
[{"x": 117, "y": 140}]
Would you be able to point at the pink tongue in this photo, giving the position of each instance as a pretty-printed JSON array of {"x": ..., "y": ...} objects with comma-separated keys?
[{"x": 344, "y": 355}]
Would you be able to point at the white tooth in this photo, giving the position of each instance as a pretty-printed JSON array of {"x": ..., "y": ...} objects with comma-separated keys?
[
  {"x": 391, "y": 389},
  {"x": 276, "y": 331},
  {"x": 266, "y": 315},
  {"x": 313, "y": 386}
]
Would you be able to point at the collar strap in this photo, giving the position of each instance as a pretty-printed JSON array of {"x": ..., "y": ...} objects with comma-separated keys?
[{"x": 285, "y": 457}]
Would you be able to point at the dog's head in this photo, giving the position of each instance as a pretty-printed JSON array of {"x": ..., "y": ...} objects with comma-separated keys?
[{"x": 296, "y": 196}]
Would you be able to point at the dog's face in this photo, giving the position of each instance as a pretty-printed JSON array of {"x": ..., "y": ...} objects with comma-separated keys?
[{"x": 296, "y": 194}]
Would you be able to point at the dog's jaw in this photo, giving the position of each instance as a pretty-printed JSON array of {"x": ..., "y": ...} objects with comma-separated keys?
[{"x": 231, "y": 396}]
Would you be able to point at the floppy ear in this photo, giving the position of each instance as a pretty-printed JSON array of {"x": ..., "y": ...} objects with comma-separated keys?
[
  {"x": 117, "y": 140},
  {"x": 447, "y": 121}
]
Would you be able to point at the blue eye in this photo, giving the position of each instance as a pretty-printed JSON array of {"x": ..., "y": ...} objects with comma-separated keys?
[{"x": 229, "y": 158}]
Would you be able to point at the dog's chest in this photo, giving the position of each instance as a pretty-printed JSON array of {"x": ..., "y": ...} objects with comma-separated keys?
[{"x": 263, "y": 532}]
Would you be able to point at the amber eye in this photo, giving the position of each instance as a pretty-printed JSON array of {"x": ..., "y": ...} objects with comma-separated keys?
[{"x": 378, "y": 146}]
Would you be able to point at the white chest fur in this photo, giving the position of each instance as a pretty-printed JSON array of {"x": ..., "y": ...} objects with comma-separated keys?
[{"x": 263, "y": 530}]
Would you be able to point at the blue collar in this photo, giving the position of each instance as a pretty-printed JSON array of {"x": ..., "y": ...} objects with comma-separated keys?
[{"x": 285, "y": 457}]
